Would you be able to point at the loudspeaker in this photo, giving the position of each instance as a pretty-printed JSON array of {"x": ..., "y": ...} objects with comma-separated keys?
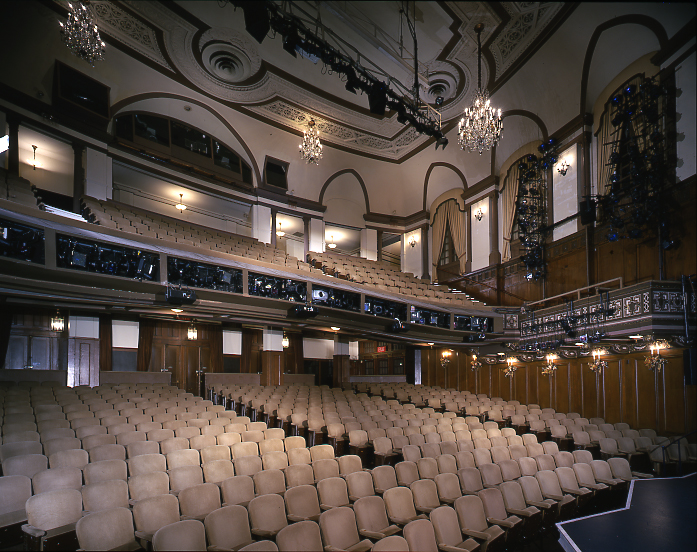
[
  {"x": 587, "y": 210},
  {"x": 689, "y": 361}
]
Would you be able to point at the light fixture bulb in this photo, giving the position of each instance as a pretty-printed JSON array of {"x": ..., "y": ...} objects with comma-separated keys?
[
  {"x": 311, "y": 147},
  {"x": 57, "y": 322},
  {"x": 285, "y": 342},
  {"x": 331, "y": 244},
  {"x": 181, "y": 205},
  {"x": 192, "y": 333},
  {"x": 177, "y": 310},
  {"x": 280, "y": 233},
  {"x": 336, "y": 328}
]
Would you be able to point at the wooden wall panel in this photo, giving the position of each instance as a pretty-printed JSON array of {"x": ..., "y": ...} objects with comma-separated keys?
[
  {"x": 543, "y": 390},
  {"x": 648, "y": 386},
  {"x": 674, "y": 396},
  {"x": 628, "y": 391},
  {"x": 533, "y": 379},
  {"x": 575, "y": 388},
  {"x": 497, "y": 379},
  {"x": 520, "y": 385},
  {"x": 611, "y": 392},
  {"x": 561, "y": 390},
  {"x": 590, "y": 393}
]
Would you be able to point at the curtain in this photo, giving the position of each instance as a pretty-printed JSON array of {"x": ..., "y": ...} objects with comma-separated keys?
[
  {"x": 438, "y": 234},
  {"x": 448, "y": 214},
  {"x": 105, "y": 343},
  {"x": 216, "y": 345},
  {"x": 146, "y": 333},
  {"x": 6, "y": 316},
  {"x": 509, "y": 194}
]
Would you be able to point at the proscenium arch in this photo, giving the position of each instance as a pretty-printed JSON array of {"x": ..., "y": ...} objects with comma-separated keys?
[
  {"x": 337, "y": 175},
  {"x": 457, "y": 171},
  {"x": 118, "y": 106},
  {"x": 637, "y": 19}
]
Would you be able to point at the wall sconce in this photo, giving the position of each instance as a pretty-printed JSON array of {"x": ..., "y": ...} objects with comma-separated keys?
[
  {"x": 597, "y": 365},
  {"x": 192, "y": 333},
  {"x": 654, "y": 361},
  {"x": 510, "y": 367},
  {"x": 445, "y": 358},
  {"x": 331, "y": 244},
  {"x": 412, "y": 240},
  {"x": 285, "y": 341},
  {"x": 479, "y": 214},
  {"x": 280, "y": 233},
  {"x": 180, "y": 205},
  {"x": 34, "y": 147},
  {"x": 57, "y": 322},
  {"x": 550, "y": 367},
  {"x": 476, "y": 363},
  {"x": 563, "y": 167}
]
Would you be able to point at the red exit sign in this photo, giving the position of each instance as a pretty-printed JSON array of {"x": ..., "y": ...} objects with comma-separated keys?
[{"x": 382, "y": 349}]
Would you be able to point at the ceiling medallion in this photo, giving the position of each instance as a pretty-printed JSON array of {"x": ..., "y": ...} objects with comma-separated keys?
[
  {"x": 80, "y": 33},
  {"x": 311, "y": 148},
  {"x": 481, "y": 126}
]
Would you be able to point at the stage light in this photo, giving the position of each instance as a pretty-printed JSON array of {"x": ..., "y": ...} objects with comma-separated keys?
[
  {"x": 439, "y": 100},
  {"x": 377, "y": 98},
  {"x": 290, "y": 42},
  {"x": 441, "y": 141},
  {"x": 256, "y": 19}
]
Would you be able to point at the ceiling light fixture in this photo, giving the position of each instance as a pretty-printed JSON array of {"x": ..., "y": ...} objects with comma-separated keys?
[
  {"x": 311, "y": 148},
  {"x": 80, "y": 33},
  {"x": 336, "y": 328},
  {"x": 331, "y": 244},
  {"x": 280, "y": 233},
  {"x": 177, "y": 310},
  {"x": 181, "y": 205},
  {"x": 480, "y": 128}
]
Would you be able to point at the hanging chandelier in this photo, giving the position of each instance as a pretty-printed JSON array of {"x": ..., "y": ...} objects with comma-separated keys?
[
  {"x": 550, "y": 367},
  {"x": 180, "y": 205},
  {"x": 597, "y": 365},
  {"x": 481, "y": 126},
  {"x": 510, "y": 368},
  {"x": 80, "y": 33},
  {"x": 654, "y": 361},
  {"x": 311, "y": 148}
]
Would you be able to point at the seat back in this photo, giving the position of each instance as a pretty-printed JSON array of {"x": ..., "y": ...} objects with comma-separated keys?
[
  {"x": 53, "y": 509},
  {"x": 302, "y": 501},
  {"x": 106, "y": 529},
  {"x": 198, "y": 501},
  {"x": 228, "y": 527},
  {"x": 303, "y": 536},
  {"x": 399, "y": 503},
  {"x": 371, "y": 514},
  {"x": 420, "y": 535},
  {"x": 339, "y": 529},
  {"x": 15, "y": 490},
  {"x": 189, "y": 534},
  {"x": 470, "y": 513},
  {"x": 237, "y": 490},
  {"x": 267, "y": 513}
]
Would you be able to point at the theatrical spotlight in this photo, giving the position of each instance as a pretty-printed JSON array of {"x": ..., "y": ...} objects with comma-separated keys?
[
  {"x": 441, "y": 141},
  {"x": 377, "y": 98}
]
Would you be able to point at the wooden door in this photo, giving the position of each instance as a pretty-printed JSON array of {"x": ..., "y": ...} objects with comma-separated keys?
[
  {"x": 192, "y": 363},
  {"x": 172, "y": 364}
]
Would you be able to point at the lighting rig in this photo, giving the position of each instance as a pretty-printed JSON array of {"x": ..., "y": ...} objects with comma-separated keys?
[
  {"x": 640, "y": 166},
  {"x": 531, "y": 206},
  {"x": 261, "y": 17}
]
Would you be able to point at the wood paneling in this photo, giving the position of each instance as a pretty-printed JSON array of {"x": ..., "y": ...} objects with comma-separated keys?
[
  {"x": 626, "y": 391},
  {"x": 83, "y": 361}
]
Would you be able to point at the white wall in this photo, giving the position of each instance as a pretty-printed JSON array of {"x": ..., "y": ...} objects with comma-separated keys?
[
  {"x": 565, "y": 192},
  {"x": 318, "y": 348},
  {"x": 412, "y": 258},
  {"x": 261, "y": 223},
  {"x": 353, "y": 350},
  {"x": 481, "y": 239},
  {"x": 232, "y": 342},
  {"x": 124, "y": 334},
  {"x": 272, "y": 340},
  {"x": 83, "y": 326},
  {"x": 686, "y": 116}
]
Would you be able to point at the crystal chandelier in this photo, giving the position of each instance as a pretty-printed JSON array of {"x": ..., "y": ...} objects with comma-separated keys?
[
  {"x": 311, "y": 148},
  {"x": 480, "y": 127},
  {"x": 80, "y": 33},
  {"x": 654, "y": 361},
  {"x": 550, "y": 367},
  {"x": 597, "y": 365},
  {"x": 510, "y": 368}
]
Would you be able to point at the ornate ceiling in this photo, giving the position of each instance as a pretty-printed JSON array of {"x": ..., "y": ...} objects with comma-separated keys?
[{"x": 205, "y": 46}]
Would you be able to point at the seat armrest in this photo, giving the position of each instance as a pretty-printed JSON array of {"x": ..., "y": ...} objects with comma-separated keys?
[
  {"x": 553, "y": 497},
  {"x": 262, "y": 532},
  {"x": 517, "y": 512},
  {"x": 505, "y": 522},
  {"x": 33, "y": 531},
  {"x": 424, "y": 509},
  {"x": 144, "y": 536},
  {"x": 543, "y": 505},
  {"x": 476, "y": 534},
  {"x": 371, "y": 534},
  {"x": 642, "y": 475},
  {"x": 576, "y": 492},
  {"x": 214, "y": 548},
  {"x": 59, "y": 530}
]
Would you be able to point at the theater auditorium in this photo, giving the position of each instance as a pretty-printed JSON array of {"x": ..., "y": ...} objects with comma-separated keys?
[{"x": 387, "y": 275}]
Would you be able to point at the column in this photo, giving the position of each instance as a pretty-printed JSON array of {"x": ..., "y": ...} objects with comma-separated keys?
[
  {"x": 274, "y": 225},
  {"x": 98, "y": 174},
  {"x": 306, "y": 235},
  {"x": 13, "y": 121},
  {"x": 342, "y": 363},
  {"x": 272, "y": 358},
  {"x": 261, "y": 223},
  {"x": 316, "y": 242},
  {"x": 78, "y": 175},
  {"x": 425, "y": 247},
  {"x": 468, "y": 219},
  {"x": 494, "y": 252},
  {"x": 369, "y": 244},
  {"x": 379, "y": 245}
]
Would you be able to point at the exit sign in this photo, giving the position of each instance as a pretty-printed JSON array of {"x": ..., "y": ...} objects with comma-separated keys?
[{"x": 382, "y": 349}]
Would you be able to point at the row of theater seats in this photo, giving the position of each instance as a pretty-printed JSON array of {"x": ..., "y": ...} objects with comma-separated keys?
[
  {"x": 379, "y": 275},
  {"x": 383, "y": 276},
  {"x": 20, "y": 191}
]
